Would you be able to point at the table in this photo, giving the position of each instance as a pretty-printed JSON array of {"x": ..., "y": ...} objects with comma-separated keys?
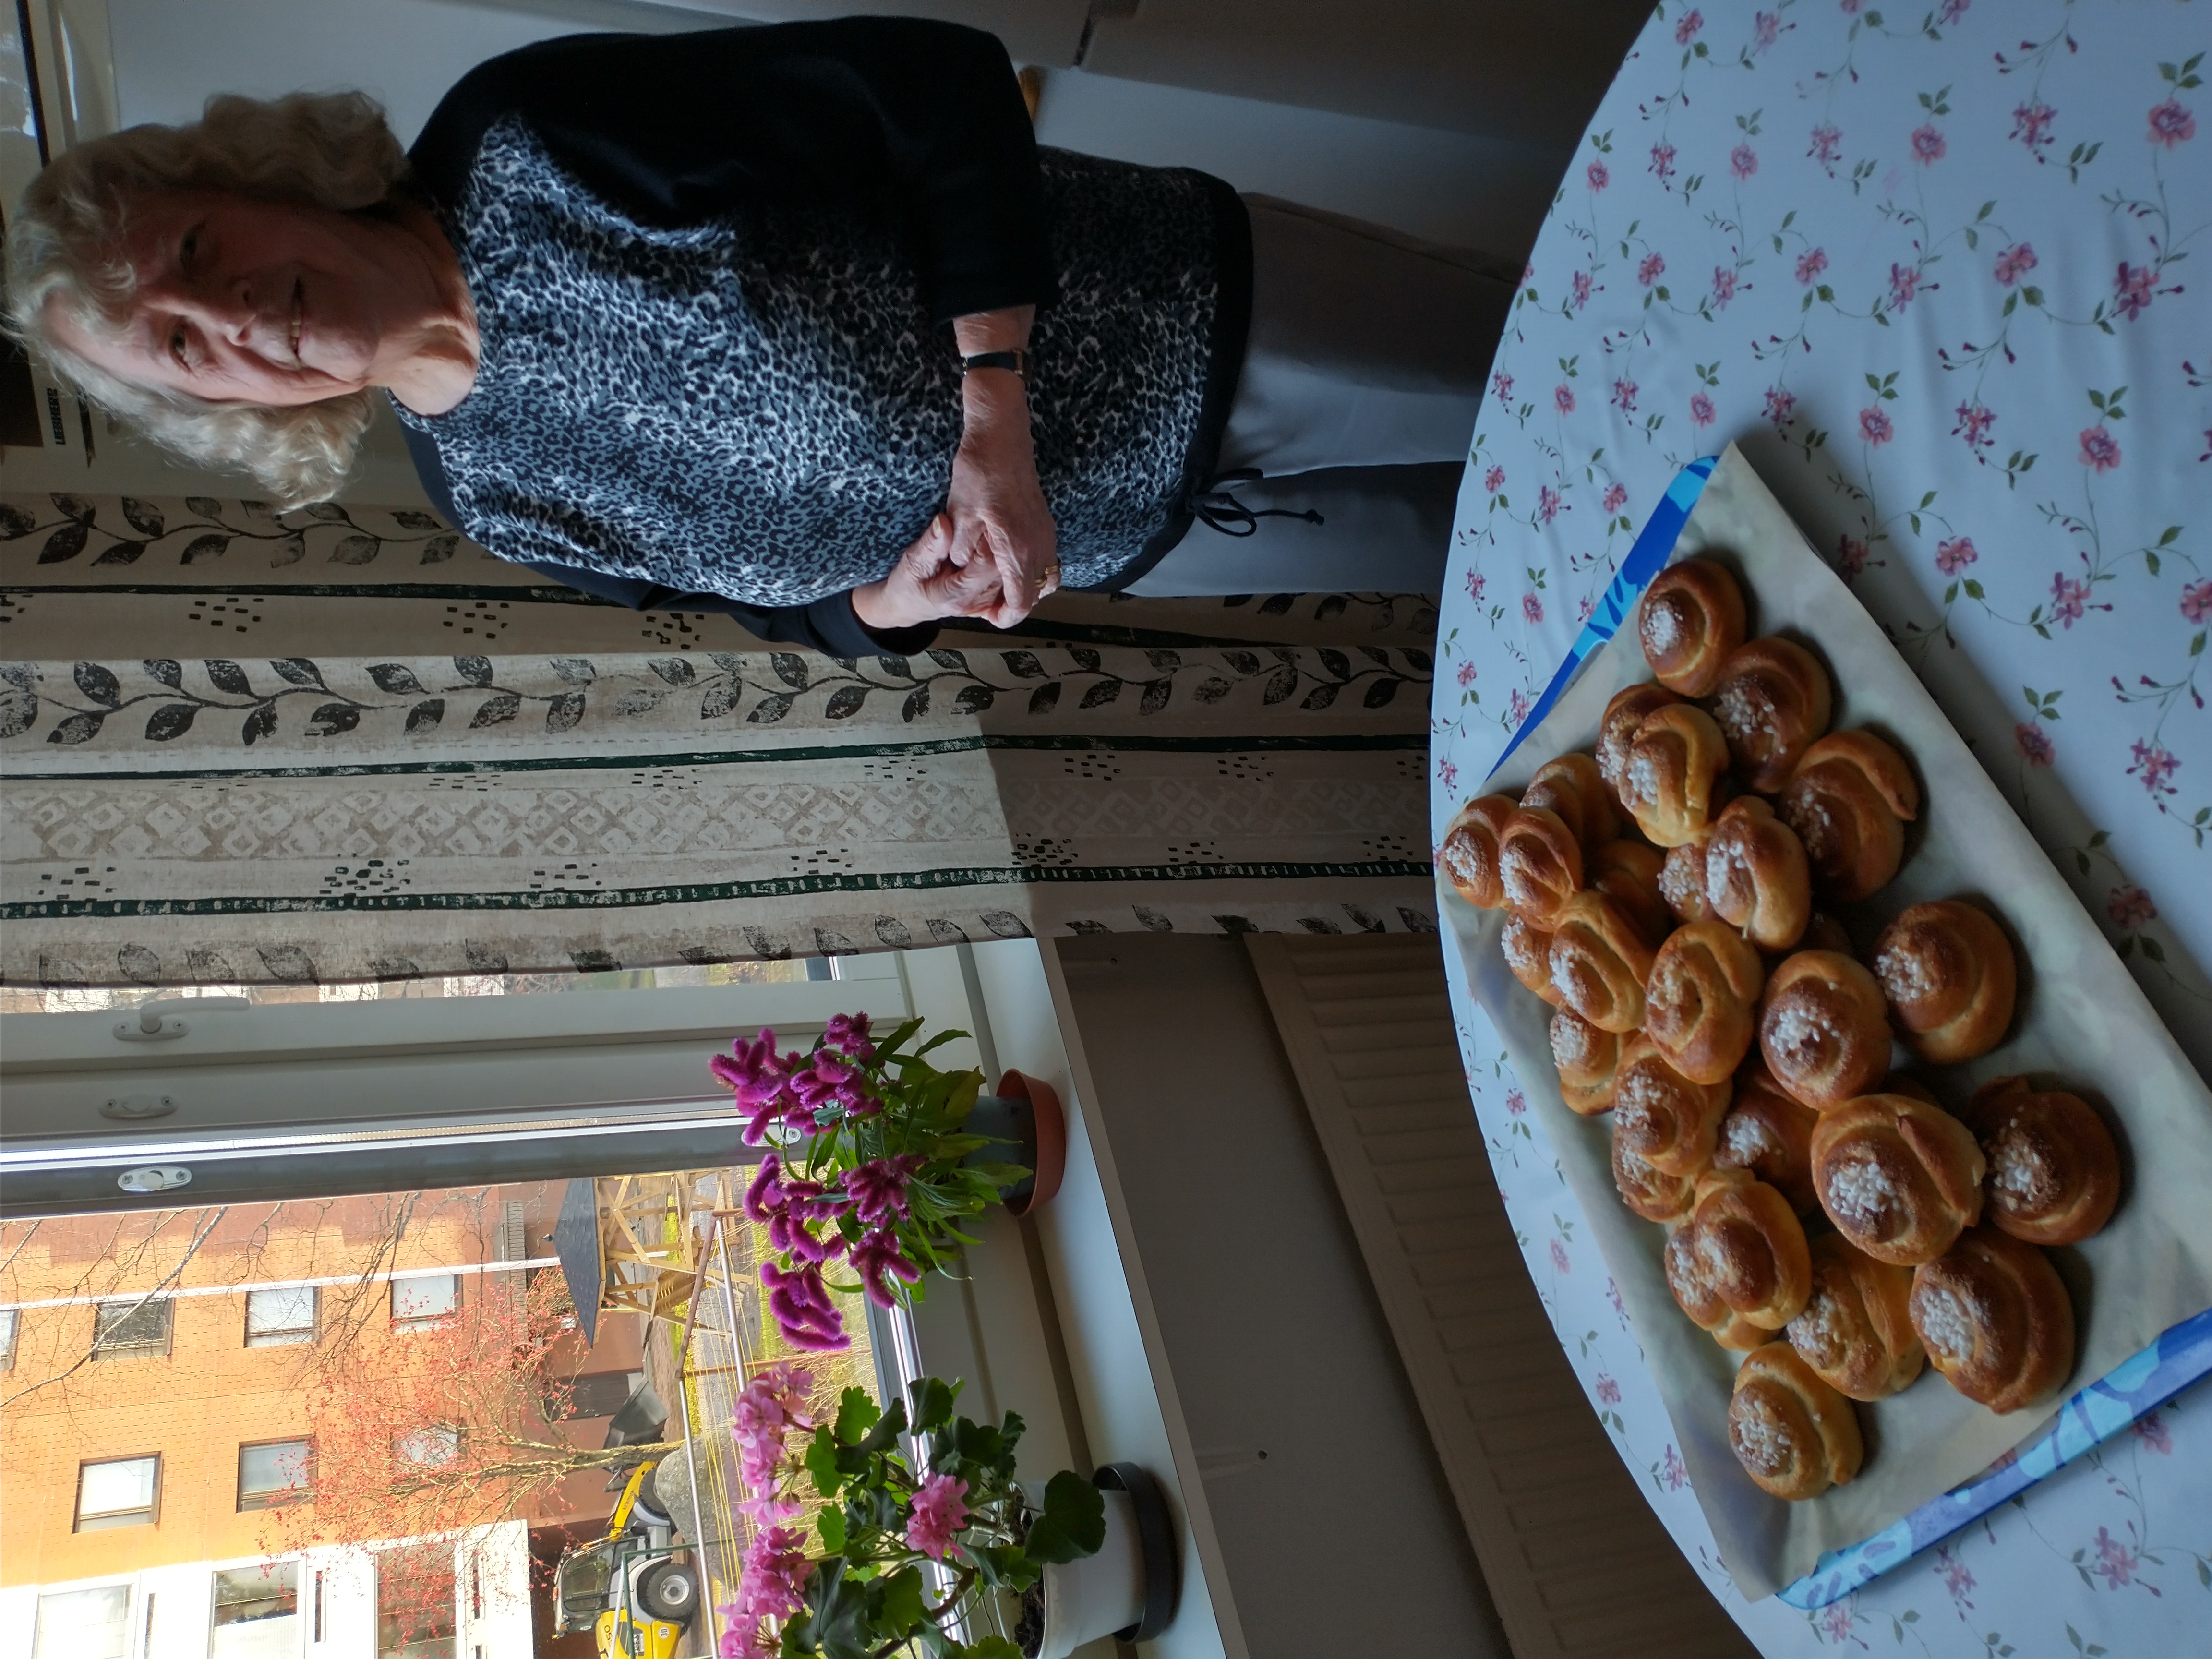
[{"x": 1937, "y": 271}]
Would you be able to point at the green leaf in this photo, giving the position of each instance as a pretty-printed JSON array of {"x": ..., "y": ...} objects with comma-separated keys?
[
  {"x": 1973, "y": 588},
  {"x": 830, "y": 1523},
  {"x": 992, "y": 1647},
  {"x": 1004, "y": 1567},
  {"x": 2172, "y": 531},
  {"x": 2031, "y": 293},
  {"x": 885, "y": 1434},
  {"x": 821, "y": 1463},
  {"x": 856, "y": 1415},
  {"x": 1073, "y": 1523},
  {"x": 837, "y": 1613},
  {"x": 901, "y": 1607},
  {"x": 2101, "y": 837},
  {"x": 932, "y": 1404},
  {"x": 2152, "y": 949}
]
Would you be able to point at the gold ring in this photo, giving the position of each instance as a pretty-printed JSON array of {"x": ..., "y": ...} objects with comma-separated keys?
[{"x": 1048, "y": 579}]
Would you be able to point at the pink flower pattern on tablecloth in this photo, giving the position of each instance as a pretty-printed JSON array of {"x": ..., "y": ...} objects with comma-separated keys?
[{"x": 1908, "y": 309}]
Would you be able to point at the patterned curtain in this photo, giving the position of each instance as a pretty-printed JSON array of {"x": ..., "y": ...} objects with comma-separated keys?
[{"x": 345, "y": 743}]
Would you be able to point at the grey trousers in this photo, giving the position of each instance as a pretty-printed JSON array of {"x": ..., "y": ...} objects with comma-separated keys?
[{"x": 1362, "y": 376}]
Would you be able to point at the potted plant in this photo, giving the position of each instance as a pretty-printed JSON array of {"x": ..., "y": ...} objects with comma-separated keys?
[
  {"x": 921, "y": 1525},
  {"x": 877, "y": 1158}
]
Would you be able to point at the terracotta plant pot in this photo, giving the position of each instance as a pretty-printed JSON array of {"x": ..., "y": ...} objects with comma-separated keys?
[
  {"x": 1127, "y": 1590},
  {"x": 1024, "y": 1114}
]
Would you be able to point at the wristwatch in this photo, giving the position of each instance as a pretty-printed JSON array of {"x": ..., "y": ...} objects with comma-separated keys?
[{"x": 1017, "y": 360}]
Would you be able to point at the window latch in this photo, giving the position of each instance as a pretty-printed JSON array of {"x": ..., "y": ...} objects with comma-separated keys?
[{"x": 157, "y": 1022}]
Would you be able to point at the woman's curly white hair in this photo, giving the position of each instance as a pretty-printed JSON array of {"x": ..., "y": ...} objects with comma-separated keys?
[{"x": 65, "y": 260}]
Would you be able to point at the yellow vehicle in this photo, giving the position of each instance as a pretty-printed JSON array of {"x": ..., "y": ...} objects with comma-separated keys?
[{"x": 628, "y": 1588}]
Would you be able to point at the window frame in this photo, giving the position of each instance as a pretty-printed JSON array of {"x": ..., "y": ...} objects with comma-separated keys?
[
  {"x": 132, "y": 1600},
  {"x": 288, "y": 1335},
  {"x": 112, "y": 1520},
  {"x": 142, "y": 1348},
  {"x": 422, "y": 1322},
  {"x": 216, "y": 1621},
  {"x": 12, "y": 1320},
  {"x": 281, "y": 1496}
]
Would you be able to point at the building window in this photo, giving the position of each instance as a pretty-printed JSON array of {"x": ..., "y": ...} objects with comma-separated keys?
[
  {"x": 7, "y": 1318},
  {"x": 415, "y": 1587},
  {"x": 137, "y": 1328},
  {"x": 595, "y": 1393},
  {"x": 84, "y": 1624},
  {"x": 273, "y": 1473},
  {"x": 424, "y": 1299},
  {"x": 122, "y": 1491},
  {"x": 277, "y": 1318},
  {"x": 257, "y": 1611},
  {"x": 430, "y": 1449}
]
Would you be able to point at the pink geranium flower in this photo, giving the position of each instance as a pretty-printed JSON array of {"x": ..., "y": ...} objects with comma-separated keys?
[
  {"x": 1928, "y": 145},
  {"x": 1616, "y": 497},
  {"x": 2129, "y": 906},
  {"x": 2170, "y": 123},
  {"x": 2100, "y": 449},
  {"x": 1952, "y": 557},
  {"x": 2033, "y": 745},
  {"x": 772, "y": 1583},
  {"x": 1875, "y": 426},
  {"x": 1810, "y": 264},
  {"x": 767, "y": 1410},
  {"x": 1651, "y": 268},
  {"x": 1598, "y": 175},
  {"x": 2197, "y": 601},
  {"x": 1743, "y": 160},
  {"x": 2015, "y": 261},
  {"x": 939, "y": 1510},
  {"x": 1701, "y": 409}
]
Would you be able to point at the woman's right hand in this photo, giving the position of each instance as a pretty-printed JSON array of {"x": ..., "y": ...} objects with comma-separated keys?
[{"x": 926, "y": 583}]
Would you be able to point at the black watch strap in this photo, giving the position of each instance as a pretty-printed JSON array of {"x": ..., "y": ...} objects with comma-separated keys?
[{"x": 1017, "y": 360}]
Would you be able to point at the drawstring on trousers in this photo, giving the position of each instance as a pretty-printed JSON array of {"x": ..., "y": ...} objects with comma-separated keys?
[{"x": 1218, "y": 509}]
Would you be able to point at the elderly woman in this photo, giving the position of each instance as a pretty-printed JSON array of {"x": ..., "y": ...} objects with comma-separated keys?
[{"x": 794, "y": 323}]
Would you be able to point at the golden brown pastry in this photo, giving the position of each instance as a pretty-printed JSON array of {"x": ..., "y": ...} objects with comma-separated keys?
[
  {"x": 1528, "y": 953},
  {"x": 1662, "y": 1116},
  {"x": 1746, "y": 1250},
  {"x": 1586, "y": 1058},
  {"x": 1540, "y": 864},
  {"x": 1769, "y": 1132},
  {"x": 1995, "y": 1320},
  {"x": 1468, "y": 852},
  {"x": 1571, "y": 787},
  {"x": 1855, "y": 1331},
  {"x": 1670, "y": 783},
  {"x": 1771, "y": 703},
  {"x": 1682, "y": 878},
  {"x": 1627, "y": 873},
  {"x": 1756, "y": 878},
  {"x": 1825, "y": 933},
  {"x": 1701, "y": 1000},
  {"x": 2054, "y": 1172},
  {"x": 1600, "y": 962},
  {"x": 1794, "y": 1436},
  {"x": 1697, "y": 1296},
  {"x": 1823, "y": 1029},
  {"x": 1948, "y": 972},
  {"x": 1617, "y": 727},
  {"x": 1849, "y": 800},
  {"x": 1652, "y": 1194},
  {"x": 1900, "y": 1178},
  {"x": 1692, "y": 618}
]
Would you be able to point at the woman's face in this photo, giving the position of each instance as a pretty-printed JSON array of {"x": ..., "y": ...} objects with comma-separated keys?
[{"x": 242, "y": 301}]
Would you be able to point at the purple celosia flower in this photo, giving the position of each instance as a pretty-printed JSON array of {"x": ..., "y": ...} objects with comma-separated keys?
[
  {"x": 827, "y": 1084},
  {"x": 787, "y": 1205},
  {"x": 848, "y": 1035},
  {"x": 877, "y": 1187},
  {"x": 877, "y": 1256},
  {"x": 801, "y": 1305},
  {"x": 760, "y": 1079},
  {"x": 939, "y": 1511}
]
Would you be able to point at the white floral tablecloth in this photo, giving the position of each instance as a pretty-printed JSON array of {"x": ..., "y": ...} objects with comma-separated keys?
[{"x": 1938, "y": 271}]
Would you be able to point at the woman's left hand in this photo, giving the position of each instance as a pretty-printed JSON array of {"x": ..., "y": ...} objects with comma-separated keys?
[{"x": 997, "y": 506}]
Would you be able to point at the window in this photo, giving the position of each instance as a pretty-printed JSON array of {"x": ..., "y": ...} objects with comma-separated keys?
[
  {"x": 597, "y": 1394},
  {"x": 136, "y": 1327},
  {"x": 431, "y": 1449},
  {"x": 256, "y": 1611},
  {"x": 273, "y": 1473},
  {"x": 85, "y": 1624},
  {"x": 275, "y": 1318},
  {"x": 7, "y": 1318},
  {"x": 414, "y": 1595},
  {"x": 423, "y": 1299},
  {"x": 122, "y": 1491}
]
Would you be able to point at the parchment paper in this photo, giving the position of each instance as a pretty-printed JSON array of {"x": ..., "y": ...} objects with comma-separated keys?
[{"x": 2083, "y": 1025}]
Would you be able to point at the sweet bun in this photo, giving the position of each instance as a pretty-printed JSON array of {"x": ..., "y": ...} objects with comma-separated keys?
[
  {"x": 1772, "y": 702},
  {"x": 1600, "y": 962},
  {"x": 1697, "y": 1297},
  {"x": 1468, "y": 852},
  {"x": 1747, "y": 1248},
  {"x": 1540, "y": 864},
  {"x": 1700, "y": 1000},
  {"x": 1627, "y": 873},
  {"x": 1849, "y": 801},
  {"x": 1995, "y": 1320},
  {"x": 1822, "y": 1029},
  {"x": 1662, "y": 1116},
  {"x": 1856, "y": 1330},
  {"x": 1652, "y": 1194},
  {"x": 1769, "y": 1132},
  {"x": 1571, "y": 787},
  {"x": 1794, "y": 1436},
  {"x": 1692, "y": 618},
  {"x": 1824, "y": 932},
  {"x": 1528, "y": 951},
  {"x": 1682, "y": 878},
  {"x": 2054, "y": 1171},
  {"x": 1901, "y": 1179},
  {"x": 1670, "y": 784},
  {"x": 1616, "y": 727},
  {"x": 1586, "y": 1058},
  {"x": 1756, "y": 878},
  {"x": 1951, "y": 980}
]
